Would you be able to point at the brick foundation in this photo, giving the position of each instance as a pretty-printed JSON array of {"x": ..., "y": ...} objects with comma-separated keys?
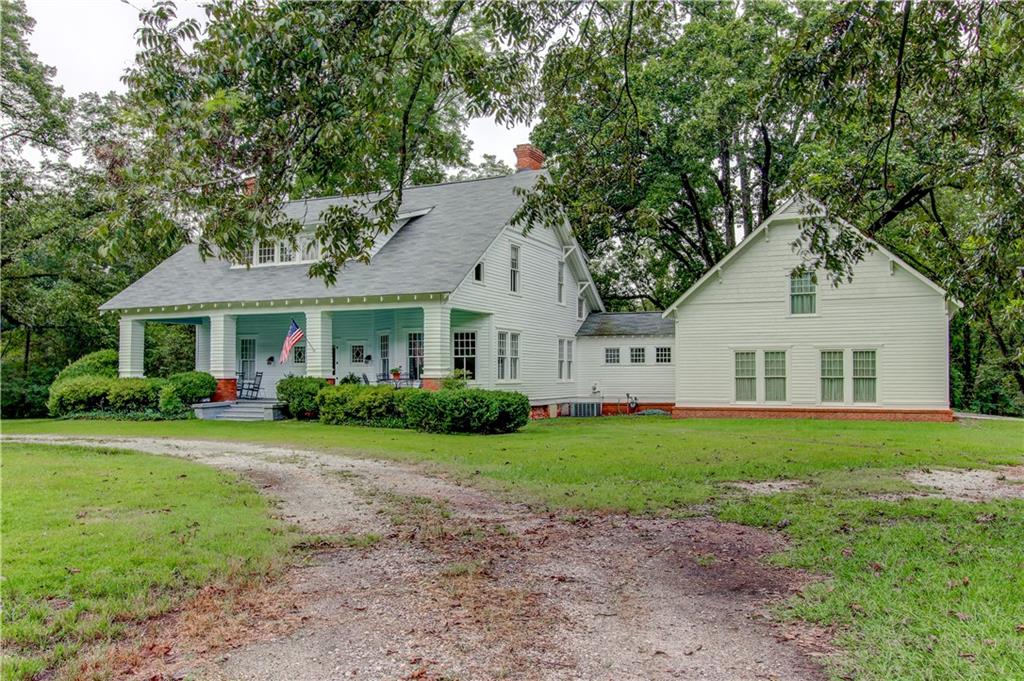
[
  {"x": 621, "y": 408},
  {"x": 330, "y": 381},
  {"x": 540, "y": 411},
  {"x": 430, "y": 383},
  {"x": 226, "y": 390},
  {"x": 836, "y": 413}
]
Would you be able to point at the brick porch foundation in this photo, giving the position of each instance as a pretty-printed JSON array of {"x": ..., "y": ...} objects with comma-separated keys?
[
  {"x": 430, "y": 383},
  {"x": 226, "y": 390},
  {"x": 836, "y": 413},
  {"x": 621, "y": 408}
]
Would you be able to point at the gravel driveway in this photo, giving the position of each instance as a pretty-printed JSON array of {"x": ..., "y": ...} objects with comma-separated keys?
[{"x": 465, "y": 585}]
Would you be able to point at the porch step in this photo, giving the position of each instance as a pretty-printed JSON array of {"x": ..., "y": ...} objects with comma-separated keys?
[{"x": 240, "y": 410}]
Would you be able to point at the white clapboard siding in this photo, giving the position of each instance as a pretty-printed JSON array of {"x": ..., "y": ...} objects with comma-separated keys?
[
  {"x": 885, "y": 308},
  {"x": 534, "y": 312},
  {"x": 648, "y": 382}
]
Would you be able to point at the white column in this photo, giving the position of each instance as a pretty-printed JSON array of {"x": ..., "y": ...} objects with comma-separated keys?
[
  {"x": 130, "y": 353},
  {"x": 203, "y": 346},
  {"x": 437, "y": 340},
  {"x": 319, "y": 341},
  {"x": 222, "y": 346}
]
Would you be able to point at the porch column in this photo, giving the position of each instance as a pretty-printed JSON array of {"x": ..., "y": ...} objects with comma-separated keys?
[
  {"x": 203, "y": 346},
  {"x": 319, "y": 341},
  {"x": 437, "y": 344},
  {"x": 222, "y": 356},
  {"x": 130, "y": 351}
]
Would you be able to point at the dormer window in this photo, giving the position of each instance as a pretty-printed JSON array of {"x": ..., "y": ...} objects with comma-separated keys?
[
  {"x": 285, "y": 252},
  {"x": 265, "y": 253}
]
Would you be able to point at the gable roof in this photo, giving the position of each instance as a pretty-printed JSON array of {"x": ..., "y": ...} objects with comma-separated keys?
[
  {"x": 794, "y": 209},
  {"x": 432, "y": 253},
  {"x": 626, "y": 324}
]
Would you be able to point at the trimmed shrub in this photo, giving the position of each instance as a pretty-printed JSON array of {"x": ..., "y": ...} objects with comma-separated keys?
[
  {"x": 171, "y": 404},
  {"x": 371, "y": 405},
  {"x": 331, "y": 402},
  {"x": 456, "y": 380},
  {"x": 193, "y": 386},
  {"x": 299, "y": 395},
  {"x": 467, "y": 411},
  {"x": 350, "y": 379},
  {"x": 99, "y": 363},
  {"x": 82, "y": 393},
  {"x": 135, "y": 394}
]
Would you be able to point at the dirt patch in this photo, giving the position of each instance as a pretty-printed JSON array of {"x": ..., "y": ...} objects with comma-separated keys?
[
  {"x": 769, "y": 486},
  {"x": 464, "y": 585},
  {"x": 1006, "y": 482}
]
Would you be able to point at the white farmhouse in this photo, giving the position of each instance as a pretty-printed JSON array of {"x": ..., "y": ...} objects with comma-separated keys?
[{"x": 453, "y": 286}]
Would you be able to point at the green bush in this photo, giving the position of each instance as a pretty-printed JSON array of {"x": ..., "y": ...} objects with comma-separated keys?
[
  {"x": 331, "y": 402},
  {"x": 299, "y": 395},
  {"x": 467, "y": 411},
  {"x": 193, "y": 386},
  {"x": 350, "y": 379},
  {"x": 82, "y": 393},
  {"x": 371, "y": 404},
  {"x": 99, "y": 363},
  {"x": 456, "y": 380},
  {"x": 24, "y": 396},
  {"x": 171, "y": 404},
  {"x": 135, "y": 394}
]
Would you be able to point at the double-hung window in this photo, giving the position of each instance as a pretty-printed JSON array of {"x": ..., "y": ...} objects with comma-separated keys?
[
  {"x": 502, "y": 354},
  {"x": 513, "y": 273},
  {"x": 865, "y": 377},
  {"x": 285, "y": 252},
  {"x": 265, "y": 253},
  {"x": 637, "y": 355},
  {"x": 802, "y": 293},
  {"x": 611, "y": 355},
  {"x": 565, "y": 359},
  {"x": 663, "y": 355},
  {"x": 561, "y": 281},
  {"x": 464, "y": 353},
  {"x": 746, "y": 376},
  {"x": 832, "y": 376},
  {"x": 775, "y": 376},
  {"x": 513, "y": 356}
]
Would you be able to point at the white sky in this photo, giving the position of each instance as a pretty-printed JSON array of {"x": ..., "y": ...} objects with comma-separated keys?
[{"x": 92, "y": 42}]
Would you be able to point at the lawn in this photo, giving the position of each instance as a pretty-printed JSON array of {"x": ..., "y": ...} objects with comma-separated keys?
[
  {"x": 94, "y": 539},
  {"x": 922, "y": 589}
]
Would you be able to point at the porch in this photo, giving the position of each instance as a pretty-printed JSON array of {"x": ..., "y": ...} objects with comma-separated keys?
[{"x": 242, "y": 347}]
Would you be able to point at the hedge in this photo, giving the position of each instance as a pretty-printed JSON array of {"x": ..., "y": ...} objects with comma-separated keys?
[
  {"x": 100, "y": 363},
  {"x": 82, "y": 393},
  {"x": 299, "y": 395},
  {"x": 443, "y": 411},
  {"x": 193, "y": 386},
  {"x": 97, "y": 395},
  {"x": 135, "y": 394},
  {"x": 171, "y": 405}
]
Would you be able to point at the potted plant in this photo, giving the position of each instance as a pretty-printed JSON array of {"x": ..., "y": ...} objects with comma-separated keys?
[{"x": 396, "y": 373}]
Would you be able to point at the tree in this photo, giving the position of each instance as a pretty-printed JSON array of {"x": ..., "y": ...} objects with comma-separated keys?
[
  {"x": 490, "y": 166},
  {"x": 313, "y": 98}
]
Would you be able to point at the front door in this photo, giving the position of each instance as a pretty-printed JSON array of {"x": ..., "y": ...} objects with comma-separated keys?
[
  {"x": 385, "y": 353},
  {"x": 414, "y": 354},
  {"x": 247, "y": 358}
]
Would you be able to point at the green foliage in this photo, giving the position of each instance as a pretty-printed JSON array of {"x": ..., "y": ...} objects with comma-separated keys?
[
  {"x": 332, "y": 401},
  {"x": 21, "y": 395},
  {"x": 99, "y": 363},
  {"x": 299, "y": 395},
  {"x": 171, "y": 404},
  {"x": 490, "y": 166},
  {"x": 350, "y": 379},
  {"x": 371, "y": 404},
  {"x": 81, "y": 393},
  {"x": 468, "y": 411},
  {"x": 456, "y": 380},
  {"x": 193, "y": 386},
  {"x": 170, "y": 349},
  {"x": 135, "y": 394}
]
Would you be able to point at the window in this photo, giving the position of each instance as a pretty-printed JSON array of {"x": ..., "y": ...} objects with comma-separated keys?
[
  {"x": 311, "y": 251},
  {"x": 513, "y": 356},
  {"x": 385, "y": 354},
  {"x": 299, "y": 354},
  {"x": 801, "y": 293},
  {"x": 775, "y": 376},
  {"x": 358, "y": 353},
  {"x": 265, "y": 254},
  {"x": 832, "y": 376},
  {"x": 414, "y": 354},
  {"x": 637, "y": 355},
  {"x": 285, "y": 252},
  {"x": 561, "y": 281},
  {"x": 611, "y": 355},
  {"x": 565, "y": 359},
  {"x": 513, "y": 275},
  {"x": 663, "y": 355},
  {"x": 581, "y": 307},
  {"x": 502, "y": 354},
  {"x": 746, "y": 377},
  {"x": 478, "y": 272},
  {"x": 464, "y": 353},
  {"x": 864, "y": 376}
]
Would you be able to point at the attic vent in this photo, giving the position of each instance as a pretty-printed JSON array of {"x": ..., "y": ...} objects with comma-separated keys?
[{"x": 585, "y": 409}]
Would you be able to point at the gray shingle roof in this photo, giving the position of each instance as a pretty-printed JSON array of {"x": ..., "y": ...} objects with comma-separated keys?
[
  {"x": 627, "y": 324},
  {"x": 432, "y": 254}
]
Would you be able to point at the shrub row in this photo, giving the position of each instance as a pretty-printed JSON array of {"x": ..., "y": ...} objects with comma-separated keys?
[
  {"x": 101, "y": 363},
  {"x": 445, "y": 411},
  {"x": 172, "y": 396},
  {"x": 298, "y": 393}
]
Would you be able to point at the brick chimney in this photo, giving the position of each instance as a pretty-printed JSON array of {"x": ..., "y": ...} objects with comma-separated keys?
[{"x": 528, "y": 157}]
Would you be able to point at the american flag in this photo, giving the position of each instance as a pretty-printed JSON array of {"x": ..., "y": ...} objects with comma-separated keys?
[{"x": 293, "y": 337}]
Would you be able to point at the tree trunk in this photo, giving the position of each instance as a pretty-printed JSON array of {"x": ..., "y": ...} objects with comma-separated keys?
[
  {"x": 765, "y": 168},
  {"x": 725, "y": 187},
  {"x": 746, "y": 209},
  {"x": 28, "y": 349}
]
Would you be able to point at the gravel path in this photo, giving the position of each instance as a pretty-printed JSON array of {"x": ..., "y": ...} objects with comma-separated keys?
[{"x": 464, "y": 585}]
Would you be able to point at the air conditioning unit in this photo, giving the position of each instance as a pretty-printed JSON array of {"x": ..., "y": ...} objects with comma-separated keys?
[{"x": 586, "y": 409}]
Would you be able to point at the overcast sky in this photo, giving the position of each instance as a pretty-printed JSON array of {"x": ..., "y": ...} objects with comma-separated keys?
[{"x": 92, "y": 42}]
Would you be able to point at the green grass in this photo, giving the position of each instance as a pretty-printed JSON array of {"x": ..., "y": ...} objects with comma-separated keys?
[
  {"x": 94, "y": 539},
  {"x": 897, "y": 570}
]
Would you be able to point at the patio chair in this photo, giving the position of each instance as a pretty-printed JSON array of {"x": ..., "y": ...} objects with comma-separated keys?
[
  {"x": 251, "y": 390},
  {"x": 366, "y": 379}
]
